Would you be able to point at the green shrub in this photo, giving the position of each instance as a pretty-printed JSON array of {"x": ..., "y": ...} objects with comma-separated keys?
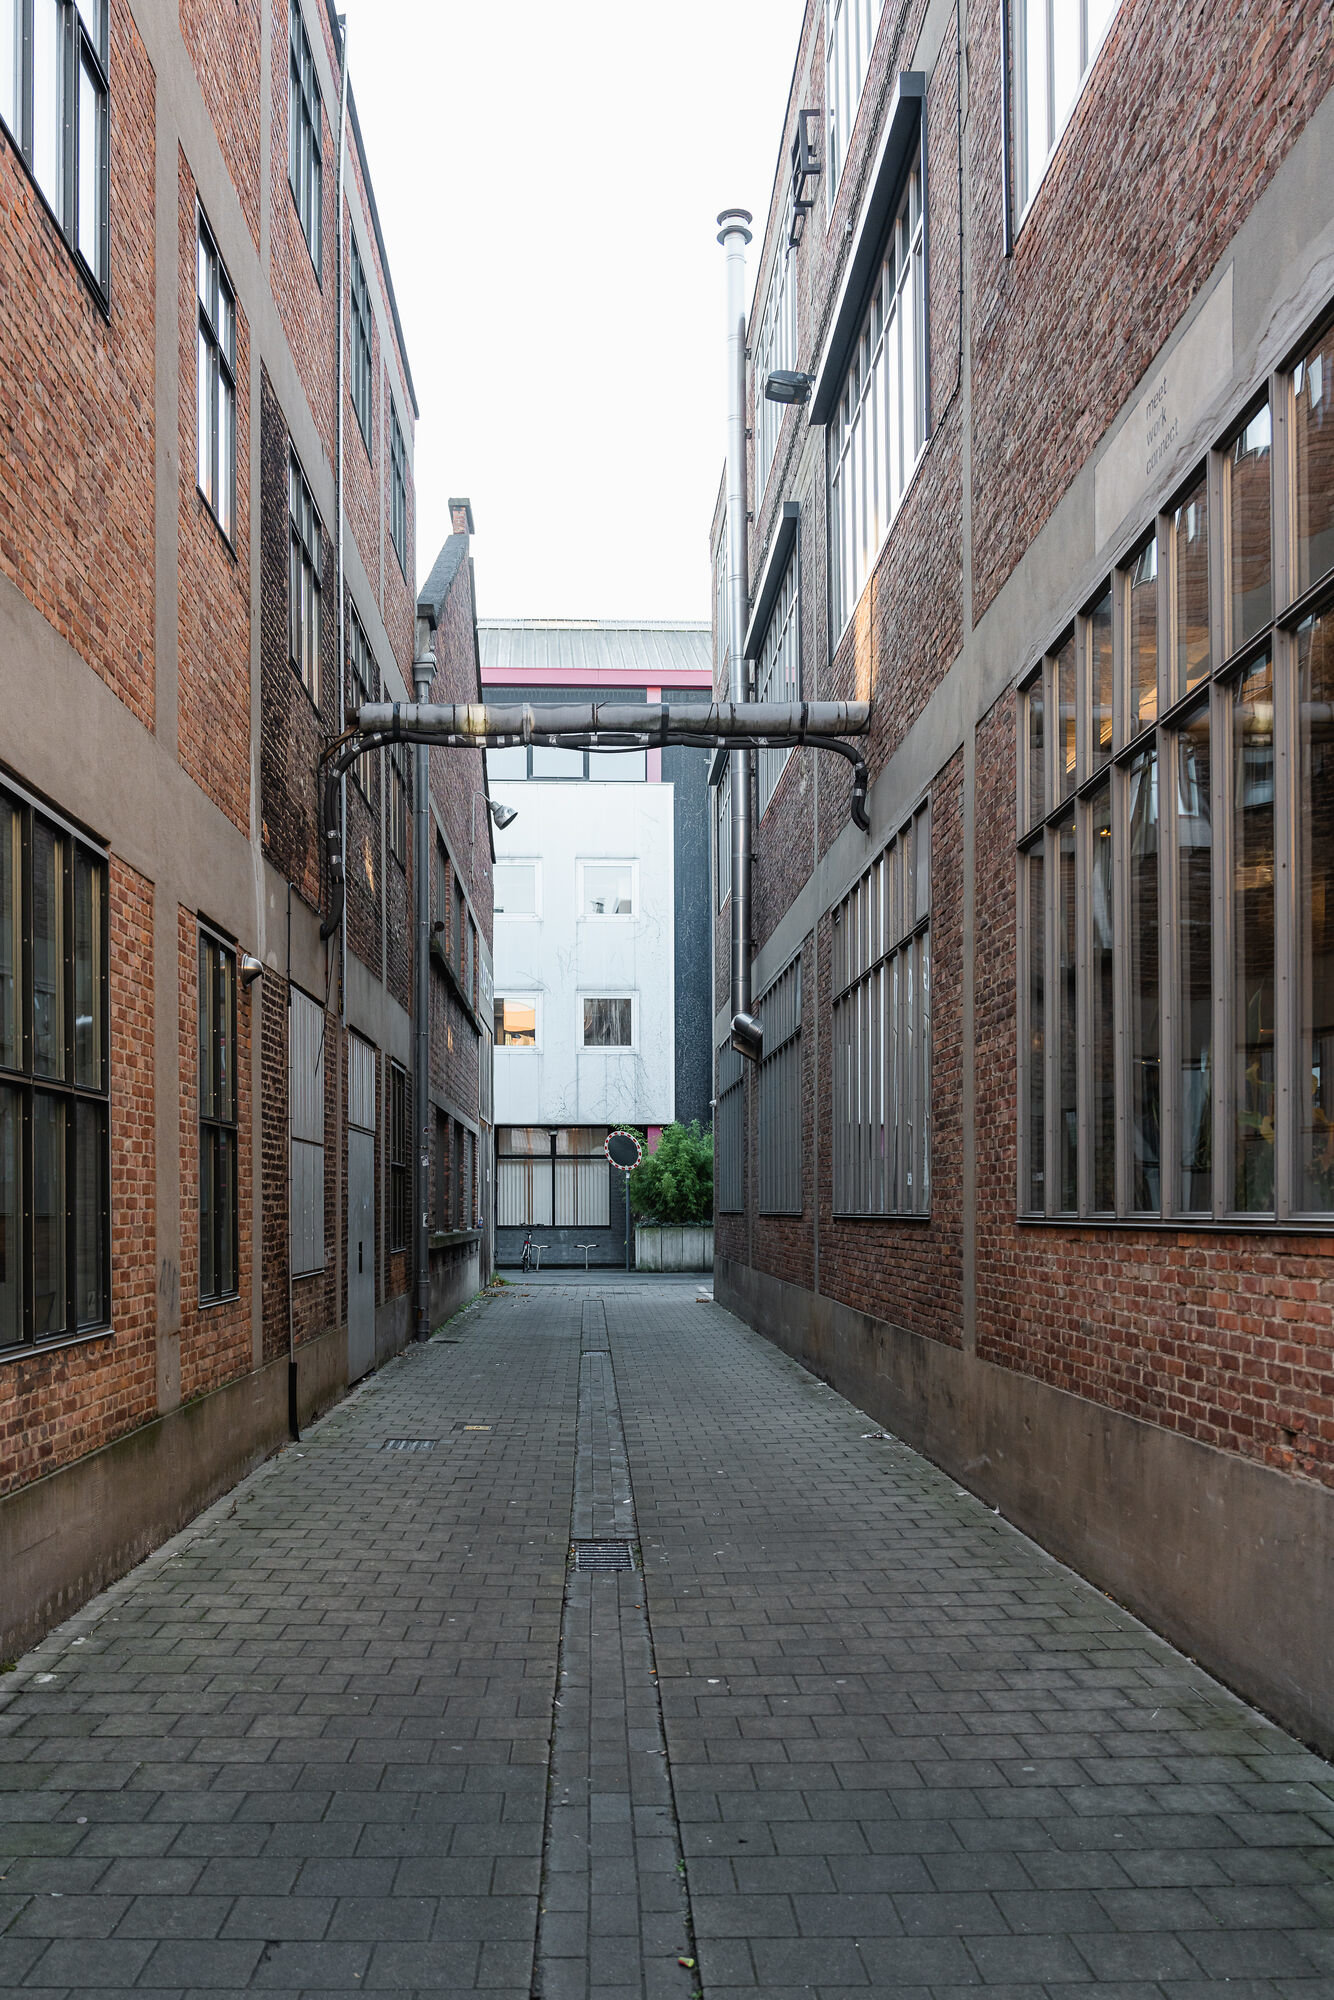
[{"x": 675, "y": 1184}]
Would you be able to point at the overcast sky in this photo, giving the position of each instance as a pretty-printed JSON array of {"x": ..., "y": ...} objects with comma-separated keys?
[{"x": 547, "y": 179}]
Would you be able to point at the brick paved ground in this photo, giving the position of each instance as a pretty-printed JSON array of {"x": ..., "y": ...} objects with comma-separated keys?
[{"x": 364, "y": 1729}]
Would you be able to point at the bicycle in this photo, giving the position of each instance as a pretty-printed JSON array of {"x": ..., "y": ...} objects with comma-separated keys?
[{"x": 531, "y": 1251}]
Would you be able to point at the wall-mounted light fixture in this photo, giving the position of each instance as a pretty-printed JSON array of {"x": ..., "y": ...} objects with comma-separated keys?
[
  {"x": 787, "y": 385},
  {"x": 251, "y": 969},
  {"x": 502, "y": 815}
]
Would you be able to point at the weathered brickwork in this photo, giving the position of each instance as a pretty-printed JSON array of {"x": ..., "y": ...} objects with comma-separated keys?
[
  {"x": 224, "y": 45},
  {"x": 76, "y": 403},
  {"x": 400, "y": 595},
  {"x": 363, "y": 459},
  {"x": 213, "y": 602},
  {"x": 1180, "y": 128},
  {"x": 216, "y": 1342},
  {"x": 56, "y": 1406},
  {"x": 306, "y": 298}
]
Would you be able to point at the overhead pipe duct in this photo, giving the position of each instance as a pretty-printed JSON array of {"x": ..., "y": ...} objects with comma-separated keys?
[
  {"x": 600, "y": 725},
  {"x": 734, "y": 235}
]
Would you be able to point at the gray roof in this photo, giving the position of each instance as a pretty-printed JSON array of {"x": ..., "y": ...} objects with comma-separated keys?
[{"x": 512, "y": 647}]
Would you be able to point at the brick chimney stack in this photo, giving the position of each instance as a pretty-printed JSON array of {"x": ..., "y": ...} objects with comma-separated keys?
[{"x": 460, "y": 517}]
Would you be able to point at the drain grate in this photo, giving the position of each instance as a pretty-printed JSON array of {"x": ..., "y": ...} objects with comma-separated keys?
[
  {"x": 408, "y": 1444},
  {"x": 601, "y": 1558}
]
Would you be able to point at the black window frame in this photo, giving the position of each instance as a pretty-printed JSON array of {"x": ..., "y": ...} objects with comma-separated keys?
[
  {"x": 363, "y": 684},
  {"x": 400, "y": 804},
  {"x": 305, "y": 138},
  {"x": 215, "y": 398},
  {"x": 305, "y": 559},
  {"x": 219, "y": 1125},
  {"x": 80, "y": 53},
  {"x": 398, "y": 489},
  {"x": 400, "y": 1159},
  {"x": 25, "y": 1081},
  {"x": 362, "y": 325}
]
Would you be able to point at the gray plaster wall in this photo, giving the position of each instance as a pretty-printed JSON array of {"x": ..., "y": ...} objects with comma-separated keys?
[{"x": 1230, "y": 1560}]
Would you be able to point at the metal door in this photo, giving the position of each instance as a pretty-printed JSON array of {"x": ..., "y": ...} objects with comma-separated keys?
[{"x": 360, "y": 1209}]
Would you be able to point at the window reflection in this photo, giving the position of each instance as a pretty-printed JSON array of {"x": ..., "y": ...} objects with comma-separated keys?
[
  {"x": 1315, "y": 837},
  {"x": 1253, "y": 936},
  {"x": 1102, "y": 987},
  {"x": 1247, "y": 478},
  {"x": 1144, "y": 999},
  {"x": 1195, "y": 987}
]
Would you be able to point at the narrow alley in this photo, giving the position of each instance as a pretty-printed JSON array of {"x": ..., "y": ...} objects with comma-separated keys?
[{"x": 390, "y": 1717}]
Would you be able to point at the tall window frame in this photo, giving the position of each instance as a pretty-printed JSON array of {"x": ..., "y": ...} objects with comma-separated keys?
[
  {"x": 730, "y": 1126},
  {"x": 398, "y": 490},
  {"x": 363, "y": 686},
  {"x": 878, "y": 430},
  {"x": 363, "y": 347},
  {"x": 1053, "y": 46},
  {"x": 305, "y": 137},
  {"x": 775, "y": 347},
  {"x": 219, "y": 1127},
  {"x": 400, "y": 803},
  {"x": 880, "y": 964},
  {"x": 215, "y": 381},
  {"x": 400, "y": 1158},
  {"x": 722, "y": 837},
  {"x": 780, "y": 1135},
  {"x": 55, "y": 103},
  {"x": 306, "y": 550},
  {"x": 55, "y": 1084},
  {"x": 850, "y": 31},
  {"x": 778, "y": 674},
  {"x": 1199, "y": 1091}
]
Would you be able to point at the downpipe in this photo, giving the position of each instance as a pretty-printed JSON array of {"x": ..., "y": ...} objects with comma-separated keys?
[
  {"x": 423, "y": 672},
  {"x": 734, "y": 235}
]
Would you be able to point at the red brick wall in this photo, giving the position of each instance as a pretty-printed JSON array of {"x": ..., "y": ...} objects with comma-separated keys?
[
  {"x": 76, "y": 402},
  {"x": 307, "y": 300},
  {"x": 55, "y": 1407},
  {"x": 224, "y": 46},
  {"x": 216, "y": 1340},
  {"x": 213, "y": 605}
]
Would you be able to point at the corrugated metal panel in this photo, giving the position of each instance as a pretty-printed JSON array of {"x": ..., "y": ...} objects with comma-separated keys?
[
  {"x": 729, "y": 1131},
  {"x": 512, "y": 648},
  {"x": 306, "y": 1030},
  {"x": 307, "y": 1207},
  {"x": 360, "y": 1083},
  {"x": 780, "y": 1128}
]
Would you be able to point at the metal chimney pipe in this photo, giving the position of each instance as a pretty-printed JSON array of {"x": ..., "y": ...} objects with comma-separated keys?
[
  {"x": 734, "y": 235},
  {"x": 423, "y": 673}
]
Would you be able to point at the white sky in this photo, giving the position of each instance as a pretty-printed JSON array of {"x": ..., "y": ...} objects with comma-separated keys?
[{"x": 547, "y": 179}]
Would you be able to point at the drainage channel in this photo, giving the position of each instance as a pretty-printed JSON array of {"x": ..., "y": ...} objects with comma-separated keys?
[{"x": 614, "y": 1912}]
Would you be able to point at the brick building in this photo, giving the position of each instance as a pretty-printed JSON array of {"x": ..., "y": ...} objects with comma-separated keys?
[
  {"x": 204, "y": 562},
  {"x": 1060, "y": 502}
]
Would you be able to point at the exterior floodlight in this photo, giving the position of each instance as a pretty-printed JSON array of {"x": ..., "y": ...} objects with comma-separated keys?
[
  {"x": 251, "y": 969},
  {"x": 787, "y": 385},
  {"x": 502, "y": 815}
]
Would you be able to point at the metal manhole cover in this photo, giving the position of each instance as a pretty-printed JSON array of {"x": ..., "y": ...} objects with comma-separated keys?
[
  {"x": 408, "y": 1444},
  {"x": 600, "y": 1558}
]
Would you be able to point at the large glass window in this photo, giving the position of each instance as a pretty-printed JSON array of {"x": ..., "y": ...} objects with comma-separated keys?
[
  {"x": 305, "y": 134},
  {"x": 516, "y": 888},
  {"x": 400, "y": 801},
  {"x": 216, "y": 384},
  {"x": 881, "y": 967},
  {"x": 363, "y": 347},
  {"x": 722, "y": 837},
  {"x": 363, "y": 686},
  {"x": 307, "y": 1034},
  {"x": 778, "y": 675},
  {"x": 54, "y": 75},
  {"x": 303, "y": 595},
  {"x": 879, "y": 427},
  {"x": 217, "y": 1120},
  {"x": 775, "y": 347},
  {"x": 400, "y": 1160},
  {"x": 516, "y": 1021},
  {"x": 608, "y": 1022},
  {"x": 1176, "y": 959},
  {"x": 398, "y": 490},
  {"x": 54, "y": 1085},
  {"x": 1055, "y": 43},
  {"x": 850, "y": 29},
  {"x": 555, "y": 761},
  {"x": 780, "y": 1096},
  {"x": 607, "y": 889}
]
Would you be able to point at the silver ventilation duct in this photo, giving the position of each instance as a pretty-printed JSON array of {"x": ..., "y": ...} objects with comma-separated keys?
[{"x": 734, "y": 235}]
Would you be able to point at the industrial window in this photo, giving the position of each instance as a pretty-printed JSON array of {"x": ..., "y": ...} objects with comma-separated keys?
[
  {"x": 541, "y": 760},
  {"x": 217, "y": 1120},
  {"x": 850, "y": 29},
  {"x": 306, "y": 1033},
  {"x": 879, "y": 426},
  {"x": 609, "y": 1022},
  {"x": 54, "y": 1087},
  {"x": 53, "y": 99},
  {"x": 400, "y": 1160},
  {"x": 516, "y": 1021},
  {"x": 722, "y": 836},
  {"x": 607, "y": 889},
  {"x": 363, "y": 376},
  {"x": 216, "y": 384},
  {"x": 730, "y": 1126},
  {"x": 305, "y": 134},
  {"x": 303, "y": 593},
  {"x": 1176, "y": 986},
  {"x": 516, "y": 889},
  {"x": 721, "y": 627},
  {"x": 548, "y": 1177},
  {"x": 780, "y": 1107},
  {"x": 778, "y": 675},
  {"x": 882, "y": 1032},
  {"x": 1055, "y": 43},
  {"x": 398, "y": 490},
  {"x": 398, "y": 804},
  {"x": 776, "y": 347},
  {"x": 363, "y": 682}
]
